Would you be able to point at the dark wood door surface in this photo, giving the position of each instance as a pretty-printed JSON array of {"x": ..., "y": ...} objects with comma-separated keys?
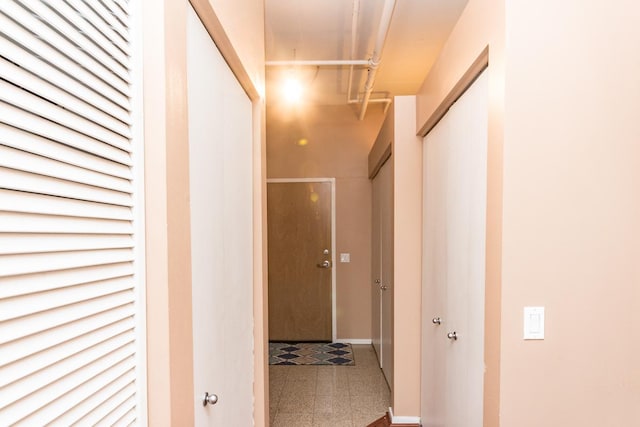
[{"x": 299, "y": 235}]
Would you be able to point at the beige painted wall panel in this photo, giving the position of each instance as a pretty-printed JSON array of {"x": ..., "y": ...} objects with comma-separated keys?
[
  {"x": 243, "y": 21},
  {"x": 353, "y": 235},
  {"x": 407, "y": 158},
  {"x": 337, "y": 145},
  {"x": 572, "y": 214}
]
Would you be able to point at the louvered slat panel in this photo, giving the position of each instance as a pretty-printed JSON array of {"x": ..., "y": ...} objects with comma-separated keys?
[
  {"x": 27, "y": 162},
  {"x": 12, "y": 244},
  {"x": 38, "y": 361},
  {"x": 94, "y": 19},
  {"x": 43, "y": 184},
  {"x": 93, "y": 401},
  {"x": 36, "y": 125},
  {"x": 13, "y": 265},
  {"x": 18, "y": 201},
  {"x": 123, "y": 5},
  {"x": 68, "y": 277},
  {"x": 15, "y": 328},
  {"x": 17, "y": 390},
  {"x": 78, "y": 39},
  {"x": 16, "y": 138},
  {"x": 74, "y": 85},
  {"x": 115, "y": 417},
  {"x": 35, "y": 303},
  {"x": 66, "y": 49},
  {"x": 88, "y": 30},
  {"x": 24, "y": 79},
  {"x": 116, "y": 11},
  {"x": 33, "y": 223},
  {"x": 49, "y": 338},
  {"x": 26, "y": 284},
  {"x": 108, "y": 18},
  {"x": 69, "y": 400},
  {"x": 22, "y": 99},
  {"x": 56, "y": 390},
  {"x": 22, "y": 37},
  {"x": 96, "y": 386}
]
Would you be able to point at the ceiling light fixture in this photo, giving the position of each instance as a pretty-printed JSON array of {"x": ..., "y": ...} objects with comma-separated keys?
[{"x": 292, "y": 89}]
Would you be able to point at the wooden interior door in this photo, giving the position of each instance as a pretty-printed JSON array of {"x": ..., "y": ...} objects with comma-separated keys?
[
  {"x": 221, "y": 195},
  {"x": 299, "y": 235}
]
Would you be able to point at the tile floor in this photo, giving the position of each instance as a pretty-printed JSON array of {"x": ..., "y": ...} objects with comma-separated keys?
[{"x": 336, "y": 396}]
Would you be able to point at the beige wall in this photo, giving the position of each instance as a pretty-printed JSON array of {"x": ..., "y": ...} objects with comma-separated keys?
[
  {"x": 407, "y": 271},
  {"x": 169, "y": 344},
  {"x": 169, "y": 325},
  {"x": 572, "y": 213},
  {"x": 564, "y": 93},
  {"x": 338, "y": 145}
]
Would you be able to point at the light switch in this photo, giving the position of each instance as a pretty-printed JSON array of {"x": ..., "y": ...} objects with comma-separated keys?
[
  {"x": 345, "y": 257},
  {"x": 534, "y": 323}
]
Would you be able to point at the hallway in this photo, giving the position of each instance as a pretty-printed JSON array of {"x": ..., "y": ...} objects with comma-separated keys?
[{"x": 336, "y": 396}]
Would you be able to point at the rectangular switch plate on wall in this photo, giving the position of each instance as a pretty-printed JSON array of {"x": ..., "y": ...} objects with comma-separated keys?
[
  {"x": 534, "y": 323},
  {"x": 345, "y": 257}
]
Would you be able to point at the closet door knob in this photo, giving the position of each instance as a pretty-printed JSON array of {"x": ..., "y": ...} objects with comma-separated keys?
[
  {"x": 209, "y": 399},
  {"x": 436, "y": 321},
  {"x": 452, "y": 335}
]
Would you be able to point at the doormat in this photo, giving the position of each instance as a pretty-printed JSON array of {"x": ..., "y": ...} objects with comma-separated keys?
[{"x": 310, "y": 353}]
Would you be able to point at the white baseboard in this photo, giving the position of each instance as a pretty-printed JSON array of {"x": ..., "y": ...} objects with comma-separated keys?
[
  {"x": 403, "y": 420},
  {"x": 354, "y": 341}
]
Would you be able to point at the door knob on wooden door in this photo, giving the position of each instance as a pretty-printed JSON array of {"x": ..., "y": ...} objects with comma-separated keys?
[{"x": 325, "y": 264}]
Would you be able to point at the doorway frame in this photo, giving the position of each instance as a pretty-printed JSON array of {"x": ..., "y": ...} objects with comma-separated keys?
[{"x": 334, "y": 325}]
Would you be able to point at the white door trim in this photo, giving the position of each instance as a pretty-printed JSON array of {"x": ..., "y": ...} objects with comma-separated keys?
[
  {"x": 334, "y": 325},
  {"x": 137, "y": 117}
]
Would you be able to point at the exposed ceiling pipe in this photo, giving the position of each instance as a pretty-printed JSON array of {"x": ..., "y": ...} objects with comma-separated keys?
[
  {"x": 372, "y": 63},
  {"x": 354, "y": 35},
  {"x": 383, "y": 29},
  {"x": 317, "y": 63}
]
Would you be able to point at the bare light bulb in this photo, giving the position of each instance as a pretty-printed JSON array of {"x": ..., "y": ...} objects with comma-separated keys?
[{"x": 292, "y": 90}]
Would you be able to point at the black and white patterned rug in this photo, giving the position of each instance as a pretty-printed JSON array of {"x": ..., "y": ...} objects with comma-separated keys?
[{"x": 306, "y": 353}]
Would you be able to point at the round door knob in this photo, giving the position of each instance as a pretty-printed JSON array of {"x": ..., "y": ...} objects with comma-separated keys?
[
  {"x": 436, "y": 320},
  {"x": 383, "y": 287},
  {"x": 209, "y": 399},
  {"x": 452, "y": 335}
]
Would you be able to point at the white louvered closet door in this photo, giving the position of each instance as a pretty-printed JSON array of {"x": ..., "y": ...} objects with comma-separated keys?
[{"x": 69, "y": 279}]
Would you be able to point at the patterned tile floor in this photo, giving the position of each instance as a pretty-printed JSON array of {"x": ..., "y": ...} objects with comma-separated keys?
[{"x": 336, "y": 396}]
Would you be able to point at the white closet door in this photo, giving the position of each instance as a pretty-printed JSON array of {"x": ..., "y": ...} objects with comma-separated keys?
[
  {"x": 386, "y": 295},
  {"x": 220, "y": 153},
  {"x": 71, "y": 255},
  {"x": 455, "y": 178},
  {"x": 376, "y": 268}
]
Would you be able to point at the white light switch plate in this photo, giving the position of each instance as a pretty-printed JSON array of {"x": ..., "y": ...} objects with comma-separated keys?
[
  {"x": 345, "y": 257},
  {"x": 534, "y": 323}
]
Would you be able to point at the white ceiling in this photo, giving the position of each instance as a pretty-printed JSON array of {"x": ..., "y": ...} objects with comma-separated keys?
[{"x": 321, "y": 30}]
